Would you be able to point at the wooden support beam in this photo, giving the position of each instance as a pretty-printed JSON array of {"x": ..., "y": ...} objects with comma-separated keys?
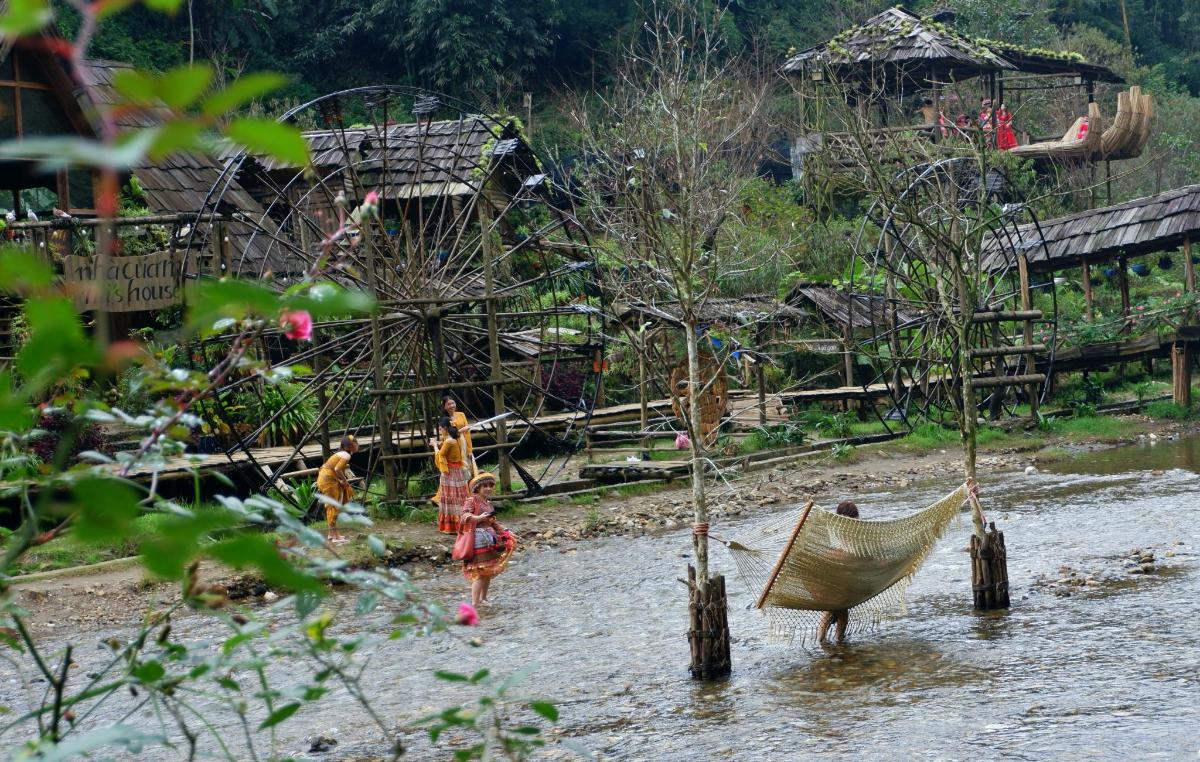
[
  {"x": 994, "y": 381},
  {"x": 998, "y": 315},
  {"x": 1122, "y": 266},
  {"x": 1189, "y": 269},
  {"x": 1029, "y": 349}
]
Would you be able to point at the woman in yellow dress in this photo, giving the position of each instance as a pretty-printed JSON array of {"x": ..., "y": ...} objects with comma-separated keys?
[
  {"x": 452, "y": 485},
  {"x": 333, "y": 481},
  {"x": 466, "y": 453}
]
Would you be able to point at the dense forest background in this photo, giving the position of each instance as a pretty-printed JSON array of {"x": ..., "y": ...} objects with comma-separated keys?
[{"x": 491, "y": 52}]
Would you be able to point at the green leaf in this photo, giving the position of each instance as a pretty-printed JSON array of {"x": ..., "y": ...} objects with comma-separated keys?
[
  {"x": 545, "y": 709},
  {"x": 15, "y": 412},
  {"x": 177, "y": 541},
  {"x": 481, "y": 674},
  {"x": 378, "y": 547},
  {"x": 111, "y": 7},
  {"x": 267, "y": 137},
  {"x": 241, "y": 92},
  {"x": 211, "y": 300},
  {"x": 259, "y": 552},
  {"x": 176, "y": 136},
  {"x": 229, "y": 684},
  {"x": 137, "y": 87},
  {"x": 450, "y": 677},
  {"x": 528, "y": 730},
  {"x": 104, "y": 509},
  {"x": 279, "y": 715},
  {"x": 148, "y": 672},
  {"x": 182, "y": 86},
  {"x": 164, "y": 6},
  {"x": 56, "y": 341},
  {"x": 24, "y": 17},
  {"x": 21, "y": 271},
  {"x": 366, "y": 603}
]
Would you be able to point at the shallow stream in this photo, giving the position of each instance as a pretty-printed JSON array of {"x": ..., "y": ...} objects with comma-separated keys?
[{"x": 1104, "y": 670}]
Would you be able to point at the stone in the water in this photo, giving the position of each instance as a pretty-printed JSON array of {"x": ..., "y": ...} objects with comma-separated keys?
[{"x": 1030, "y": 470}]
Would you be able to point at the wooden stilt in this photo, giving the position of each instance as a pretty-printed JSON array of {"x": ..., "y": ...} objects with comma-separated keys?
[
  {"x": 761, "y": 379},
  {"x": 1087, "y": 292},
  {"x": 989, "y": 570},
  {"x": 1027, "y": 305},
  {"x": 708, "y": 628}
]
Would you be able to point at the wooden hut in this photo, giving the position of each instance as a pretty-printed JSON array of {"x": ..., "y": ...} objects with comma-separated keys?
[{"x": 1112, "y": 234}]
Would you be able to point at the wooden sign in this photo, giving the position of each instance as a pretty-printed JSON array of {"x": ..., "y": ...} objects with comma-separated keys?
[{"x": 148, "y": 282}]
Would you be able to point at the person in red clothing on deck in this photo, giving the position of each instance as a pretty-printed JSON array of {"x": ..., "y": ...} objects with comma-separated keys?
[{"x": 1006, "y": 137}]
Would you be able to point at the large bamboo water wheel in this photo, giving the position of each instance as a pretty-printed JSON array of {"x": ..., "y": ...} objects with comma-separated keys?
[
  {"x": 942, "y": 213},
  {"x": 484, "y": 286}
]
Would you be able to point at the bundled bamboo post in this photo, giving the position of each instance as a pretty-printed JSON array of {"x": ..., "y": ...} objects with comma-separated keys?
[
  {"x": 989, "y": 570},
  {"x": 708, "y": 628},
  {"x": 1181, "y": 373}
]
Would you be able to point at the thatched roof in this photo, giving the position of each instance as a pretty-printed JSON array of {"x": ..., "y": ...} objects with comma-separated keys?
[
  {"x": 1141, "y": 226},
  {"x": 422, "y": 159},
  {"x": 866, "y": 312},
  {"x": 181, "y": 182},
  {"x": 906, "y": 52},
  {"x": 744, "y": 311},
  {"x": 900, "y": 41}
]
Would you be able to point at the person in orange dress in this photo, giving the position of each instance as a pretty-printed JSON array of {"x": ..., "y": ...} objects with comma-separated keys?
[
  {"x": 452, "y": 484},
  {"x": 494, "y": 544},
  {"x": 333, "y": 481}
]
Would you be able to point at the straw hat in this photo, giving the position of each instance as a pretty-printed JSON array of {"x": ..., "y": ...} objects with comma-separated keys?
[{"x": 480, "y": 478}]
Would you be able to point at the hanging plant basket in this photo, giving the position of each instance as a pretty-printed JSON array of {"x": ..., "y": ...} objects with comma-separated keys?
[
  {"x": 1141, "y": 270},
  {"x": 1111, "y": 272},
  {"x": 1165, "y": 263}
]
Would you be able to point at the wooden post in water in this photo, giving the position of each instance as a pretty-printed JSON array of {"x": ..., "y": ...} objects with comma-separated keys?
[
  {"x": 708, "y": 628},
  {"x": 1027, "y": 334},
  {"x": 989, "y": 570}
]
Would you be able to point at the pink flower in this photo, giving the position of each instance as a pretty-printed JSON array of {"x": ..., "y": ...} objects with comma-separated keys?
[
  {"x": 297, "y": 324},
  {"x": 371, "y": 199},
  {"x": 1141, "y": 308},
  {"x": 682, "y": 442},
  {"x": 467, "y": 615}
]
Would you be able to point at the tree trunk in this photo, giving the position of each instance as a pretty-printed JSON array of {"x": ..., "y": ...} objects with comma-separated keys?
[{"x": 700, "y": 509}]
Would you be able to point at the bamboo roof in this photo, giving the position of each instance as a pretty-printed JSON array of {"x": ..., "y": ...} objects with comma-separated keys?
[
  {"x": 898, "y": 38},
  {"x": 908, "y": 52},
  {"x": 450, "y": 157},
  {"x": 181, "y": 182},
  {"x": 1134, "y": 228},
  {"x": 746, "y": 310},
  {"x": 865, "y": 312}
]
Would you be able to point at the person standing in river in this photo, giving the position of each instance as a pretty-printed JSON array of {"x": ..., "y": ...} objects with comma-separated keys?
[
  {"x": 840, "y": 616},
  {"x": 452, "y": 482},
  {"x": 493, "y": 544}
]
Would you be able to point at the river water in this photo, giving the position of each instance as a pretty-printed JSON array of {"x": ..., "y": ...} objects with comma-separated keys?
[{"x": 1110, "y": 671}]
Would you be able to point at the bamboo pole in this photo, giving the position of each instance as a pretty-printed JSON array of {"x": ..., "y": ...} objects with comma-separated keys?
[
  {"x": 766, "y": 591},
  {"x": 382, "y": 413},
  {"x": 1189, "y": 269},
  {"x": 489, "y": 285},
  {"x": 1027, "y": 306},
  {"x": 1087, "y": 291}
]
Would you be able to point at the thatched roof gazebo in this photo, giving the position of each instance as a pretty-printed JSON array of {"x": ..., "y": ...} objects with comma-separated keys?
[{"x": 900, "y": 52}]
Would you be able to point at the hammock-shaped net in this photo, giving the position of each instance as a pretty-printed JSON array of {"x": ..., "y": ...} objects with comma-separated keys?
[{"x": 831, "y": 562}]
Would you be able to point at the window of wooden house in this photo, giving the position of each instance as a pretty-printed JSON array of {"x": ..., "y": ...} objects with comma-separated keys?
[{"x": 28, "y": 105}]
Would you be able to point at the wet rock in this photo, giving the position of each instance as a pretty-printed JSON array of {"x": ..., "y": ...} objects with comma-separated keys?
[
  {"x": 321, "y": 743},
  {"x": 271, "y": 596},
  {"x": 1030, "y": 470}
]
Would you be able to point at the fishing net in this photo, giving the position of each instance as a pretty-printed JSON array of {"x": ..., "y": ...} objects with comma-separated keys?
[{"x": 809, "y": 561}]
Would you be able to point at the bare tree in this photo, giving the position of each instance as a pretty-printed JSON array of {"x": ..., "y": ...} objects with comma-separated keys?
[{"x": 669, "y": 150}]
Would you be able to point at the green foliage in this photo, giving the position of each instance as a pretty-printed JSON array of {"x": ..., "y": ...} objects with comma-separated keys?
[
  {"x": 844, "y": 452},
  {"x": 287, "y": 408},
  {"x": 1170, "y": 411},
  {"x": 773, "y": 436},
  {"x": 831, "y": 425},
  {"x": 489, "y": 717}
]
